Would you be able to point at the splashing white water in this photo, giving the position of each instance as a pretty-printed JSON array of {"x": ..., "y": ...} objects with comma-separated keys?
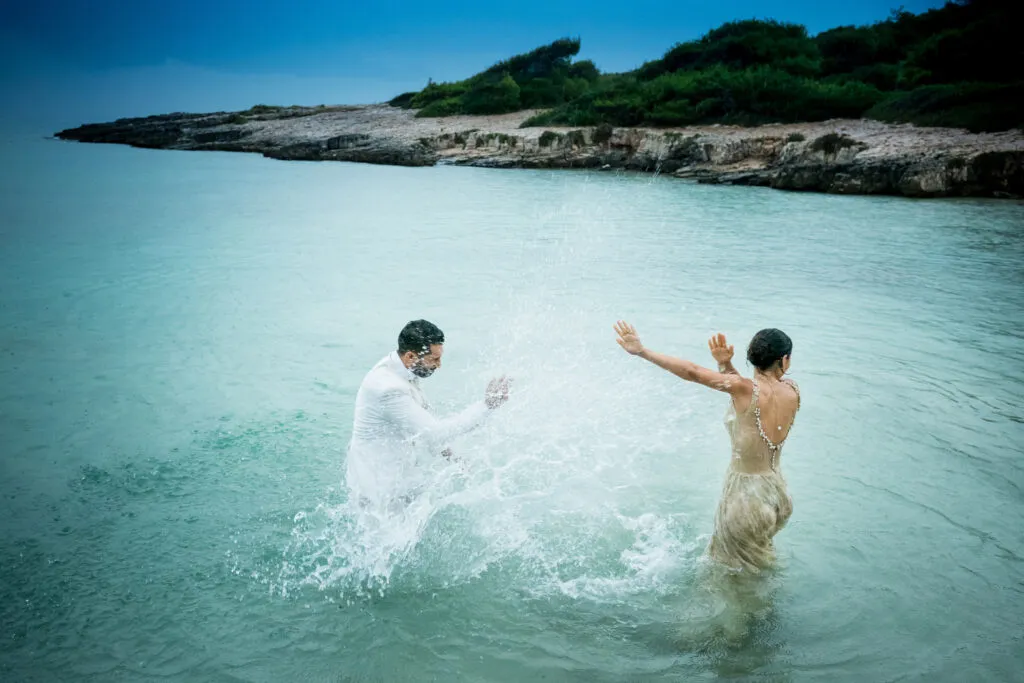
[
  {"x": 579, "y": 483},
  {"x": 572, "y": 482}
]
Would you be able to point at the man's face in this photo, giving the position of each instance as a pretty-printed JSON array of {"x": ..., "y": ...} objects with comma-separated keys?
[{"x": 425, "y": 364}]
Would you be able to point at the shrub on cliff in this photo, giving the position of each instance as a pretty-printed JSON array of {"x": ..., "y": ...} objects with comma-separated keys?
[
  {"x": 603, "y": 134},
  {"x": 543, "y": 77},
  {"x": 584, "y": 69},
  {"x": 614, "y": 98},
  {"x": 963, "y": 41},
  {"x": 404, "y": 100},
  {"x": 986, "y": 50},
  {"x": 749, "y": 96},
  {"x": 435, "y": 92},
  {"x": 740, "y": 45},
  {"x": 492, "y": 97},
  {"x": 929, "y": 68},
  {"x": 262, "y": 109},
  {"x": 548, "y": 138},
  {"x": 450, "y": 106},
  {"x": 974, "y": 106}
]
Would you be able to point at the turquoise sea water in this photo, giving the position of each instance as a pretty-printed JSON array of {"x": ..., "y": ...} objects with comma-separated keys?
[{"x": 182, "y": 336}]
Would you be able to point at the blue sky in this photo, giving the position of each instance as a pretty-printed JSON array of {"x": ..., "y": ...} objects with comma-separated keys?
[{"x": 94, "y": 60}]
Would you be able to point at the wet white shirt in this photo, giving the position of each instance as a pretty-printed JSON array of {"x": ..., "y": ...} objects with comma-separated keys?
[{"x": 395, "y": 434}]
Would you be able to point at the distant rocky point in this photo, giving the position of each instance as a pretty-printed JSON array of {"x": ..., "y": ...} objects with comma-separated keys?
[{"x": 838, "y": 156}]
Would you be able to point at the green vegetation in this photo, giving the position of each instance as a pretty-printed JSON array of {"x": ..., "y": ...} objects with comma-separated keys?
[
  {"x": 975, "y": 106},
  {"x": 545, "y": 77},
  {"x": 603, "y": 133},
  {"x": 262, "y": 109},
  {"x": 958, "y": 65},
  {"x": 265, "y": 112},
  {"x": 548, "y": 138},
  {"x": 502, "y": 138},
  {"x": 404, "y": 100}
]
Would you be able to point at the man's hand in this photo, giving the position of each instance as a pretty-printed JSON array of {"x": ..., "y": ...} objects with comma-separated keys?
[{"x": 497, "y": 392}]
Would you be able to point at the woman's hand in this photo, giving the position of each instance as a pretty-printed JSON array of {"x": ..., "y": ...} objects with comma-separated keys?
[
  {"x": 628, "y": 338},
  {"x": 720, "y": 349}
]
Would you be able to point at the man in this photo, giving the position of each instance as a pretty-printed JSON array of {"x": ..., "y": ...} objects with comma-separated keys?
[{"x": 394, "y": 431}]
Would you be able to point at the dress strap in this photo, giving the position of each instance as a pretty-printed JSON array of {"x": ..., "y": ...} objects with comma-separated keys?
[
  {"x": 773, "y": 447},
  {"x": 796, "y": 388}
]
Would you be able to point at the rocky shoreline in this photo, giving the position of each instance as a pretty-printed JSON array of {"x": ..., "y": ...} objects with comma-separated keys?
[{"x": 839, "y": 156}]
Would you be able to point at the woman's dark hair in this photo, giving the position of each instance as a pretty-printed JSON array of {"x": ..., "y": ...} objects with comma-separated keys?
[
  {"x": 768, "y": 347},
  {"x": 418, "y": 336}
]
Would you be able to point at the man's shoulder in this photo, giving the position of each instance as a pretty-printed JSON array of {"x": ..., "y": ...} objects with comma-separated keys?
[{"x": 382, "y": 379}]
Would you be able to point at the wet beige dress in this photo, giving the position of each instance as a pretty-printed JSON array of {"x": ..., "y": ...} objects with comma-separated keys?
[{"x": 755, "y": 504}]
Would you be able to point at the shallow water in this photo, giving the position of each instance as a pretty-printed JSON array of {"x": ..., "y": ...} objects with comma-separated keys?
[{"x": 183, "y": 335}]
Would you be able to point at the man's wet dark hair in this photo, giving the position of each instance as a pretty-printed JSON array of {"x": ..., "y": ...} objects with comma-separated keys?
[
  {"x": 768, "y": 347},
  {"x": 418, "y": 336}
]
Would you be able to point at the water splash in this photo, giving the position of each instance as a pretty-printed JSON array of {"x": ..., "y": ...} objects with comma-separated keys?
[
  {"x": 562, "y": 485},
  {"x": 580, "y": 487}
]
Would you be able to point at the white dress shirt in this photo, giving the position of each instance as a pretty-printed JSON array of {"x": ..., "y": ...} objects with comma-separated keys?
[{"x": 395, "y": 434}]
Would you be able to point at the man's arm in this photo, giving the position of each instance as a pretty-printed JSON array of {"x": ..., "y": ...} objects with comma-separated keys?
[{"x": 418, "y": 424}]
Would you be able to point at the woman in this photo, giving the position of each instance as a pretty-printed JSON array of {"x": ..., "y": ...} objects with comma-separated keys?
[{"x": 755, "y": 504}]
